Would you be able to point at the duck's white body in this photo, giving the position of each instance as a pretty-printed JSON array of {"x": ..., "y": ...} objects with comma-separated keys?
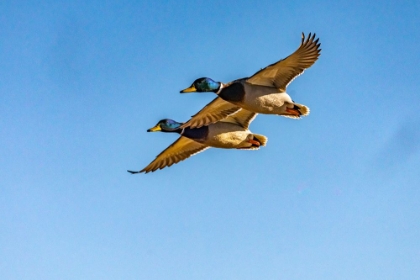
[
  {"x": 268, "y": 100},
  {"x": 228, "y": 135}
]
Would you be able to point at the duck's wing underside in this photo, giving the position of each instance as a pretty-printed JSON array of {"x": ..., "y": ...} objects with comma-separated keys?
[
  {"x": 242, "y": 117},
  {"x": 213, "y": 112},
  {"x": 180, "y": 150}
]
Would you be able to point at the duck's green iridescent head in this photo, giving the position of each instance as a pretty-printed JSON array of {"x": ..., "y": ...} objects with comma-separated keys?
[
  {"x": 203, "y": 85},
  {"x": 165, "y": 125}
]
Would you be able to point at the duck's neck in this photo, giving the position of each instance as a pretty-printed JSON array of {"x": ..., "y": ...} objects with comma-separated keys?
[
  {"x": 221, "y": 86},
  {"x": 177, "y": 130}
]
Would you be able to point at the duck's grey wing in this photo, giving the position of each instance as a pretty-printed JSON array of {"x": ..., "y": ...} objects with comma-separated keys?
[
  {"x": 181, "y": 149},
  {"x": 242, "y": 117},
  {"x": 282, "y": 72},
  {"x": 211, "y": 113}
]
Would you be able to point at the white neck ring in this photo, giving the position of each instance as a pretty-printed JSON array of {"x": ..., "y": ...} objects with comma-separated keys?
[{"x": 220, "y": 88}]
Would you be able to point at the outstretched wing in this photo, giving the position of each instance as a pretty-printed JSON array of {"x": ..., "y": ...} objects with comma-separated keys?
[
  {"x": 213, "y": 112},
  {"x": 282, "y": 72},
  {"x": 242, "y": 117},
  {"x": 181, "y": 149}
]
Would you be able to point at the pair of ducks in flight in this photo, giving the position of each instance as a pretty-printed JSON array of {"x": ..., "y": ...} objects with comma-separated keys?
[{"x": 224, "y": 122}]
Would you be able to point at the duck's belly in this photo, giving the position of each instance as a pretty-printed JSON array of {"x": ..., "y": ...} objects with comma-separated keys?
[
  {"x": 228, "y": 136},
  {"x": 265, "y": 100}
]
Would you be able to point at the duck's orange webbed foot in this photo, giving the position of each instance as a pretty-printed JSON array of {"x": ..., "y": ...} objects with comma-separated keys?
[{"x": 293, "y": 111}]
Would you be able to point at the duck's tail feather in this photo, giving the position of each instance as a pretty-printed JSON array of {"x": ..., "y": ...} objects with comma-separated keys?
[
  {"x": 298, "y": 111},
  {"x": 260, "y": 138},
  {"x": 304, "y": 110}
]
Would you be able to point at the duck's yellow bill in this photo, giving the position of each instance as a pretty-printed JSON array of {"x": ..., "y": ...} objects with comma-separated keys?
[
  {"x": 190, "y": 89},
  {"x": 154, "y": 129}
]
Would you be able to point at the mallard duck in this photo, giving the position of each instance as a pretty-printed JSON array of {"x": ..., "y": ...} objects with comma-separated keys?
[
  {"x": 229, "y": 133},
  {"x": 264, "y": 92}
]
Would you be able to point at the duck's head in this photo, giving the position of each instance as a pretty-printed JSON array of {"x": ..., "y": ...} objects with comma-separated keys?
[
  {"x": 165, "y": 125},
  {"x": 203, "y": 85}
]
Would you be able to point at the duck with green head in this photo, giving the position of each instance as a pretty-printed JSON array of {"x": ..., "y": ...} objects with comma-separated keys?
[
  {"x": 229, "y": 133},
  {"x": 264, "y": 92}
]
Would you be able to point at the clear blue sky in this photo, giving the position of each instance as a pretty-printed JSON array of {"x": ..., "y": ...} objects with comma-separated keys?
[{"x": 335, "y": 195}]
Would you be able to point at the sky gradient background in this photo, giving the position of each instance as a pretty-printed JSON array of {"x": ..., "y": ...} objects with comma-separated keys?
[{"x": 335, "y": 195}]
